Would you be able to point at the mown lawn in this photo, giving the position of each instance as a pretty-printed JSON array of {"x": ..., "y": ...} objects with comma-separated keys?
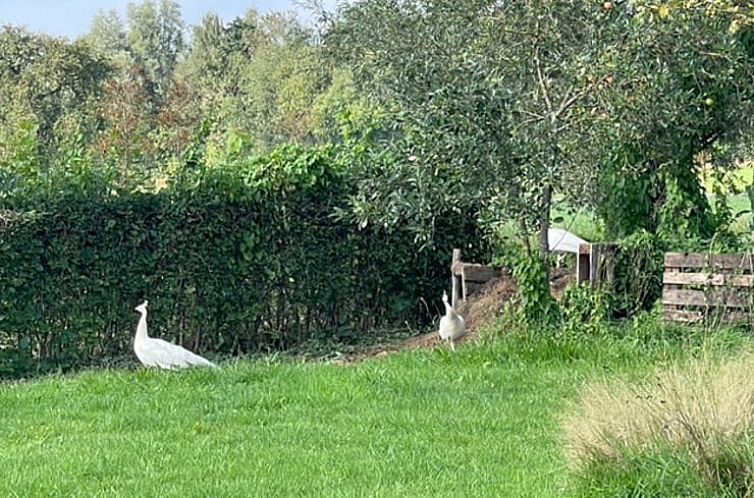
[{"x": 482, "y": 422}]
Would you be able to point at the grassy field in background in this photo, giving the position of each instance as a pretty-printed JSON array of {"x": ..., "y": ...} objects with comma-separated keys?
[
  {"x": 586, "y": 226},
  {"x": 483, "y": 422},
  {"x": 742, "y": 177}
]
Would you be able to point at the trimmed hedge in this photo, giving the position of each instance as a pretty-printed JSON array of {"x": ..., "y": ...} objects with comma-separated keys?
[{"x": 232, "y": 260}]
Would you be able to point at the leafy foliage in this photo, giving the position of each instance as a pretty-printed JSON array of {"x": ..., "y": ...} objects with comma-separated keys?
[
  {"x": 676, "y": 85},
  {"x": 235, "y": 259},
  {"x": 483, "y": 116},
  {"x": 639, "y": 267},
  {"x": 585, "y": 311},
  {"x": 536, "y": 305},
  {"x": 50, "y": 85}
]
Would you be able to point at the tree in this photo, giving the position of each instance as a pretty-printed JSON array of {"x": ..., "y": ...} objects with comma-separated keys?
[
  {"x": 515, "y": 105},
  {"x": 107, "y": 36},
  {"x": 155, "y": 39},
  {"x": 52, "y": 85},
  {"x": 281, "y": 84},
  {"x": 487, "y": 95},
  {"x": 255, "y": 79},
  {"x": 680, "y": 83},
  {"x": 126, "y": 110}
]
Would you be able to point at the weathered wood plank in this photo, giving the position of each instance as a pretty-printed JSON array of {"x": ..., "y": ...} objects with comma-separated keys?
[
  {"x": 479, "y": 273},
  {"x": 728, "y": 280},
  {"x": 683, "y": 316},
  {"x": 730, "y": 317},
  {"x": 714, "y": 298},
  {"x": 582, "y": 267},
  {"x": 743, "y": 261},
  {"x": 715, "y": 279},
  {"x": 455, "y": 280},
  {"x": 687, "y": 316},
  {"x": 685, "y": 260},
  {"x": 473, "y": 288}
]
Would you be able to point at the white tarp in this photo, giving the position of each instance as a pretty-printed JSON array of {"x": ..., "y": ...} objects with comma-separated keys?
[{"x": 564, "y": 241}]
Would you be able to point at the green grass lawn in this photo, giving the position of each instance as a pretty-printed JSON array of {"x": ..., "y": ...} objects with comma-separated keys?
[{"x": 482, "y": 422}]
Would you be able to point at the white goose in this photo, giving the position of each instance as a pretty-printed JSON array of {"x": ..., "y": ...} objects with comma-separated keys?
[
  {"x": 153, "y": 352},
  {"x": 452, "y": 325}
]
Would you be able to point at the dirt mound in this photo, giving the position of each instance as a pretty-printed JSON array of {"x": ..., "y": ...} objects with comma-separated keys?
[
  {"x": 478, "y": 310},
  {"x": 487, "y": 303}
]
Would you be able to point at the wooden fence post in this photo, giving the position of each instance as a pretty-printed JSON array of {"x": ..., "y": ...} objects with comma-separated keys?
[
  {"x": 456, "y": 279},
  {"x": 583, "y": 260},
  {"x": 595, "y": 263}
]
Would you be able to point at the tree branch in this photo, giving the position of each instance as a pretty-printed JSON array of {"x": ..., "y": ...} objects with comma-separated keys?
[
  {"x": 541, "y": 79},
  {"x": 569, "y": 101}
]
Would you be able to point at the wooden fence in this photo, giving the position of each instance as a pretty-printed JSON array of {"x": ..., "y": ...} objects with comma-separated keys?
[
  {"x": 467, "y": 278},
  {"x": 595, "y": 263},
  {"x": 707, "y": 287}
]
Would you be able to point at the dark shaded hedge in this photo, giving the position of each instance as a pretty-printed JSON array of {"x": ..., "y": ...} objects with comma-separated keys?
[{"x": 232, "y": 260}]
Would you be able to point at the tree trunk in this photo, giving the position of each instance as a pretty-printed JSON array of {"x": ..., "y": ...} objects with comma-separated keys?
[{"x": 544, "y": 223}]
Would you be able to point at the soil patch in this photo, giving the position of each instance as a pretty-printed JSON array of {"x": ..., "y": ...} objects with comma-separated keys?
[{"x": 478, "y": 310}]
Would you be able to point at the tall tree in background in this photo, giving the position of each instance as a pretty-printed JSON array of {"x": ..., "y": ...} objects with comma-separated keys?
[
  {"x": 52, "y": 84},
  {"x": 256, "y": 77},
  {"x": 155, "y": 40},
  {"x": 107, "y": 36},
  {"x": 213, "y": 70},
  {"x": 126, "y": 142},
  {"x": 282, "y": 81},
  {"x": 140, "y": 100}
]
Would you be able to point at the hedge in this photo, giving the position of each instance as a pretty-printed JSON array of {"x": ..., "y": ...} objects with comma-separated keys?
[{"x": 232, "y": 260}]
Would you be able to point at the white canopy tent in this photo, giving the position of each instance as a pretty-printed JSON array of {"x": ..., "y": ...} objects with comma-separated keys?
[{"x": 564, "y": 241}]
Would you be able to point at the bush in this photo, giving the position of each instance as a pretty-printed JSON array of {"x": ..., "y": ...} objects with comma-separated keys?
[
  {"x": 536, "y": 306},
  {"x": 685, "y": 432},
  {"x": 639, "y": 266},
  {"x": 234, "y": 259},
  {"x": 584, "y": 310}
]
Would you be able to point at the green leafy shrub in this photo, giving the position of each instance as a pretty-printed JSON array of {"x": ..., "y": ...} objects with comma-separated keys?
[
  {"x": 233, "y": 259},
  {"x": 584, "y": 310},
  {"x": 639, "y": 266},
  {"x": 536, "y": 306}
]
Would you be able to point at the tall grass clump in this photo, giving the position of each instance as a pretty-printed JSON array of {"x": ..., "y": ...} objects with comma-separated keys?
[{"x": 684, "y": 431}]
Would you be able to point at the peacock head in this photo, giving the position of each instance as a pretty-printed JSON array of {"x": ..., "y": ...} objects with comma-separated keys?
[
  {"x": 142, "y": 308},
  {"x": 444, "y": 297}
]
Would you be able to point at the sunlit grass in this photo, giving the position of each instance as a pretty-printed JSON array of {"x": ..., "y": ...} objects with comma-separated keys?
[{"x": 482, "y": 422}]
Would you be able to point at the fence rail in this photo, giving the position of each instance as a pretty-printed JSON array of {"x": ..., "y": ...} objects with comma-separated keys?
[
  {"x": 595, "y": 263},
  {"x": 703, "y": 287},
  {"x": 468, "y": 278}
]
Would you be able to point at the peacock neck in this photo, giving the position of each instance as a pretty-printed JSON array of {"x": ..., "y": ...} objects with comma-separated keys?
[
  {"x": 141, "y": 329},
  {"x": 449, "y": 309}
]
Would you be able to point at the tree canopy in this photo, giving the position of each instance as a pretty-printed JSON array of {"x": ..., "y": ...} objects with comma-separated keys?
[
  {"x": 497, "y": 110},
  {"x": 522, "y": 104}
]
